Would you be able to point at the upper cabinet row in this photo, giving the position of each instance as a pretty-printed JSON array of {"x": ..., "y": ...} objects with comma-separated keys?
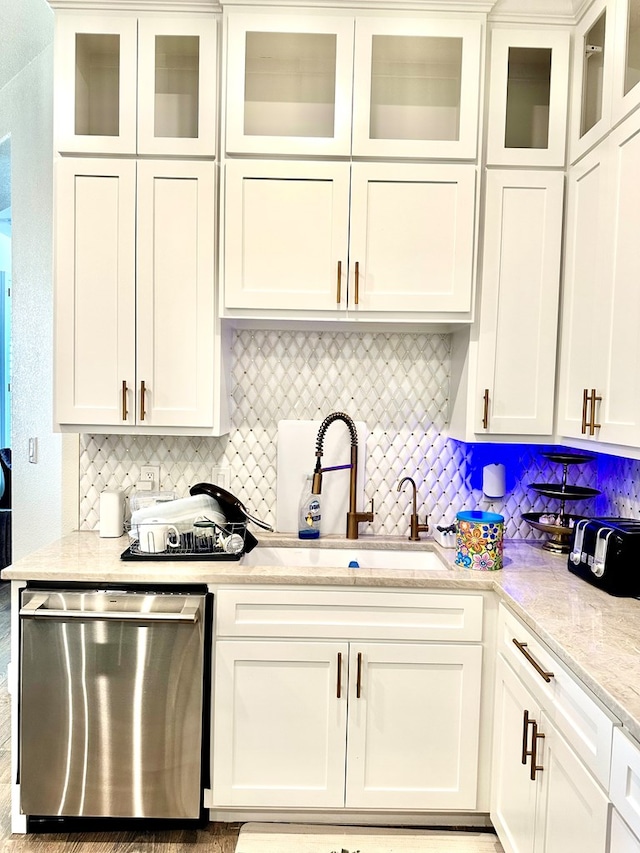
[
  {"x": 129, "y": 85},
  {"x": 369, "y": 85}
]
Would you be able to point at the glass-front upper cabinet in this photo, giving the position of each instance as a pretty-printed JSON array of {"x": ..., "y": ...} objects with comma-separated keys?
[
  {"x": 303, "y": 84},
  {"x": 288, "y": 84},
  {"x": 127, "y": 85},
  {"x": 528, "y": 95},
  {"x": 416, "y": 87},
  {"x": 592, "y": 75},
  {"x": 626, "y": 70},
  {"x": 177, "y": 85}
]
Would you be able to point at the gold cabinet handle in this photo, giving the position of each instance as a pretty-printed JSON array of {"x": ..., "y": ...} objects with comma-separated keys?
[
  {"x": 339, "y": 684},
  {"x": 534, "y": 663},
  {"x": 125, "y": 413},
  {"x": 593, "y": 426},
  {"x": 339, "y": 284},
  {"x": 357, "y": 276},
  {"x": 585, "y": 398},
  {"x": 527, "y": 721},
  {"x": 534, "y": 750},
  {"x": 359, "y": 677},
  {"x": 485, "y": 409},
  {"x": 142, "y": 393}
]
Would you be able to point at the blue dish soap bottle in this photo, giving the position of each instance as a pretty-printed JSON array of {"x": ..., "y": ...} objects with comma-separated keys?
[{"x": 309, "y": 512}]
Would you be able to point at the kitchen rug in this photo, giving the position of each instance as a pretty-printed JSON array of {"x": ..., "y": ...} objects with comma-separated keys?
[{"x": 291, "y": 838}]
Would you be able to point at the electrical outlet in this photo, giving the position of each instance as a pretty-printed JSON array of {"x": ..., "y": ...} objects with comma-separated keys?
[
  {"x": 150, "y": 474},
  {"x": 220, "y": 476}
]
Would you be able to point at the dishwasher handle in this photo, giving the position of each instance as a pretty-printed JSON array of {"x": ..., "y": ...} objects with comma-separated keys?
[{"x": 190, "y": 613}]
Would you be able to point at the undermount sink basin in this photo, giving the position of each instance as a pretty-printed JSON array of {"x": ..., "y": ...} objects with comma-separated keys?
[{"x": 341, "y": 557}]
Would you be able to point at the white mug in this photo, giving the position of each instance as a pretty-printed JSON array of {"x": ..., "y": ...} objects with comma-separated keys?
[{"x": 155, "y": 536}]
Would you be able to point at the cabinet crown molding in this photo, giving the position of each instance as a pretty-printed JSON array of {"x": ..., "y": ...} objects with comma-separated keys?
[
  {"x": 391, "y": 6},
  {"x": 162, "y": 6}
]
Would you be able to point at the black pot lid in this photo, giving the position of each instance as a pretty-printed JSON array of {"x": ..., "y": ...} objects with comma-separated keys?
[{"x": 571, "y": 493}]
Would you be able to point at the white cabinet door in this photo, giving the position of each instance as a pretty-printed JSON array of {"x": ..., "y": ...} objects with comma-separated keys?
[
  {"x": 528, "y": 97},
  {"x": 586, "y": 307},
  {"x": 573, "y": 811},
  {"x": 412, "y": 236},
  {"x": 519, "y": 310},
  {"x": 280, "y": 714},
  {"x": 626, "y": 59},
  {"x": 416, "y": 87},
  {"x": 95, "y": 290},
  {"x": 622, "y": 840},
  {"x": 286, "y": 235},
  {"x": 619, "y": 411},
  {"x": 177, "y": 85},
  {"x": 413, "y": 726},
  {"x": 95, "y": 83},
  {"x": 289, "y": 83},
  {"x": 514, "y": 794},
  {"x": 593, "y": 50},
  {"x": 175, "y": 293}
]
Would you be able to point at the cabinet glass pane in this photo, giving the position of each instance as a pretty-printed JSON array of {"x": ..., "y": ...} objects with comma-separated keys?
[
  {"x": 97, "y": 100},
  {"x": 415, "y": 87},
  {"x": 176, "y": 91},
  {"x": 632, "y": 70},
  {"x": 592, "y": 75},
  {"x": 528, "y": 91},
  {"x": 290, "y": 84}
]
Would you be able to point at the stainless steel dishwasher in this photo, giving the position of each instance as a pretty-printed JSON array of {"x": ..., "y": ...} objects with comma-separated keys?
[{"x": 111, "y": 703}]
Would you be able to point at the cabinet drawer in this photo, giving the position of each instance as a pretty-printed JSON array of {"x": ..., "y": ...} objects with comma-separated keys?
[
  {"x": 624, "y": 789},
  {"x": 330, "y": 614},
  {"x": 566, "y": 702}
]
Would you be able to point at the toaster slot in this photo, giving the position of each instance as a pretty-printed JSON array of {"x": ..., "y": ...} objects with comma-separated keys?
[
  {"x": 600, "y": 553},
  {"x": 577, "y": 555}
]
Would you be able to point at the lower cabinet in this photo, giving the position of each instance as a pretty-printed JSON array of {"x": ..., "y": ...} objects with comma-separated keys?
[
  {"x": 347, "y": 723},
  {"x": 622, "y": 839},
  {"x": 623, "y": 790},
  {"x": 549, "y": 778}
]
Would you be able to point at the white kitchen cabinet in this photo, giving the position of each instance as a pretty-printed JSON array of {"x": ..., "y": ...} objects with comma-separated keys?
[
  {"x": 127, "y": 84},
  {"x": 296, "y": 84},
  {"x": 520, "y": 295},
  {"x": 599, "y": 390},
  {"x": 626, "y": 59},
  {"x": 591, "y": 94},
  {"x": 383, "y": 239},
  {"x": 622, "y": 840},
  {"x": 310, "y": 713},
  {"x": 586, "y": 302},
  {"x": 624, "y": 786},
  {"x": 528, "y": 94},
  {"x": 544, "y": 799},
  {"x": 280, "y": 727},
  {"x": 135, "y": 332}
]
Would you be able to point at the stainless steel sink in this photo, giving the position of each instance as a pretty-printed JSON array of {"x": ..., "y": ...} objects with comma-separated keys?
[{"x": 366, "y": 558}]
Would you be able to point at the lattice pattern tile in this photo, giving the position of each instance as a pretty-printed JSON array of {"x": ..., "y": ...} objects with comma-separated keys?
[{"x": 398, "y": 384}]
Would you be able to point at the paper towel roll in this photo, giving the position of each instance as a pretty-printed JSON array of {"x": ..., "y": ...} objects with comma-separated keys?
[
  {"x": 111, "y": 513},
  {"x": 493, "y": 480}
]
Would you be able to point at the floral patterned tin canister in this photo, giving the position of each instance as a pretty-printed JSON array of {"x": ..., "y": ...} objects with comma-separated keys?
[{"x": 479, "y": 540}]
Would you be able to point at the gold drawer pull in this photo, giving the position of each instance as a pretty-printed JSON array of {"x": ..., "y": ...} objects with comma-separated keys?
[
  {"x": 357, "y": 282},
  {"x": 125, "y": 413},
  {"x": 359, "y": 677},
  {"x": 534, "y": 751},
  {"x": 534, "y": 663},
  {"x": 485, "y": 409},
  {"x": 339, "y": 284},
  {"x": 142, "y": 393},
  {"x": 585, "y": 398},
  {"x": 339, "y": 684}
]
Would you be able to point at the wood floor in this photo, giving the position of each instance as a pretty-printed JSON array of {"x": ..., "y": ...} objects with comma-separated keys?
[{"x": 215, "y": 838}]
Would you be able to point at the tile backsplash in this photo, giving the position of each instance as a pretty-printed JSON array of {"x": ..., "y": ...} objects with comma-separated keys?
[{"x": 398, "y": 384}]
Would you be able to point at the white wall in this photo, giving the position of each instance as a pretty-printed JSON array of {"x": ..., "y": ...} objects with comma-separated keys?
[{"x": 26, "y": 112}]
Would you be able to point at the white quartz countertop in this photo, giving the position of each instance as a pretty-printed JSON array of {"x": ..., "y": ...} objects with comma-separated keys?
[{"x": 595, "y": 634}]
